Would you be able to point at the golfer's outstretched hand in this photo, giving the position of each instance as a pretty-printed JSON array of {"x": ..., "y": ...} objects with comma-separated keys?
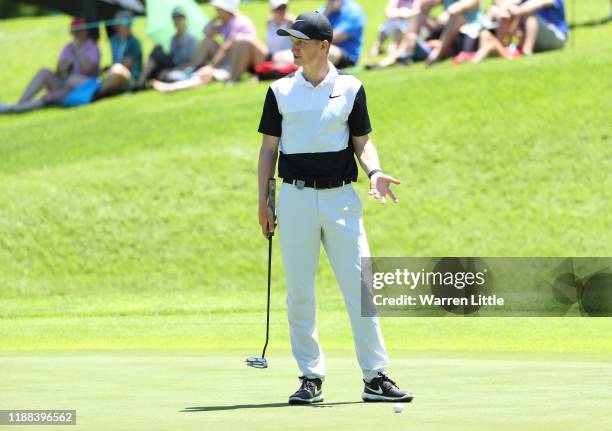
[
  {"x": 266, "y": 220},
  {"x": 380, "y": 187}
]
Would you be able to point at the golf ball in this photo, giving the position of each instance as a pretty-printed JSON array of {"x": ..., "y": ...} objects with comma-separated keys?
[{"x": 398, "y": 408}]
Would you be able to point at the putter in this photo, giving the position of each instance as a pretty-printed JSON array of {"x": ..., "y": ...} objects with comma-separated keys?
[{"x": 254, "y": 361}]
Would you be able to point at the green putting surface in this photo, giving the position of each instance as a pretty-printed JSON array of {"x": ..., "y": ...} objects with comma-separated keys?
[{"x": 206, "y": 390}]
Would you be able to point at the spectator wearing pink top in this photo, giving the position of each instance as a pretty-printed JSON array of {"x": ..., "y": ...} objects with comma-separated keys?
[
  {"x": 78, "y": 62},
  {"x": 231, "y": 25},
  {"x": 222, "y": 62}
]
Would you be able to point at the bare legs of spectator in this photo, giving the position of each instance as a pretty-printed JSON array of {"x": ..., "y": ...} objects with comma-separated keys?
[
  {"x": 380, "y": 39},
  {"x": 118, "y": 81},
  {"x": 52, "y": 97},
  {"x": 531, "y": 33},
  {"x": 44, "y": 78},
  {"x": 246, "y": 51},
  {"x": 423, "y": 19},
  {"x": 450, "y": 33},
  {"x": 404, "y": 49},
  {"x": 203, "y": 76},
  {"x": 490, "y": 46},
  {"x": 206, "y": 51}
]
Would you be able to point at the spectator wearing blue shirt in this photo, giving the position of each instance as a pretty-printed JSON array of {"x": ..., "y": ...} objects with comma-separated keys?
[
  {"x": 545, "y": 25},
  {"x": 127, "y": 58},
  {"x": 348, "y": 21}
]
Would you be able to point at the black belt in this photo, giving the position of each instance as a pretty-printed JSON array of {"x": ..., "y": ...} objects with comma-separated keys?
[{"x": 316, "y": 184}]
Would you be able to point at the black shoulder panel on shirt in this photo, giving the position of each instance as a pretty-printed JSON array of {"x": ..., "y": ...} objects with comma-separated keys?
[{"x": 271, "y": 121}]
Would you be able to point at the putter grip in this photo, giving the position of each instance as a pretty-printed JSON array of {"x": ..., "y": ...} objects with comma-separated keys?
[{"x": 272, "y": 195}]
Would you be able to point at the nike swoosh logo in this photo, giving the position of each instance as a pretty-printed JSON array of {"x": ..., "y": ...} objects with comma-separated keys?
[
  {"x": 298, "y": 20},
  {"x": 378, "y": 391},
  {"x": 333, "y": 97}
]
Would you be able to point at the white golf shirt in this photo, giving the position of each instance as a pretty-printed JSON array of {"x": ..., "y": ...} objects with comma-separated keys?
[{"x": 315, "y": 125}]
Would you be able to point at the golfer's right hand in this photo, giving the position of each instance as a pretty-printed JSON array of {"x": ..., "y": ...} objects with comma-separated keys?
[{"x": 266, "y": 221}]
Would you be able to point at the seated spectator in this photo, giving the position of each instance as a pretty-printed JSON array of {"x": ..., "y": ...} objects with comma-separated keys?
[
  {"x": 497, "y": 39},
  {"x": 456, "y": 14},
  {"x": 410, "y": 50},
  {"x": 489, "y": 46},
  {"x": 401, "y": 19},
  {"x": 182, "y": 50},
  {"x": 544, "y": 24},
  {"x": 231, "y": 25},
  {"x": 279, "y": 47},
  {"x": 79, "y": 61},
  {"x": 127, "y": 58},
  {"x": 226, "y": 61},
  {"x": 348, "y": 21}
]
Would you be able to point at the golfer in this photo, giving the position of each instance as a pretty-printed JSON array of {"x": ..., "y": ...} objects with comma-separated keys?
[{"x": 319, "y": 118}]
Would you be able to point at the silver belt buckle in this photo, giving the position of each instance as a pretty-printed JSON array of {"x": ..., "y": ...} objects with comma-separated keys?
[{"x": 300, "y": 184}]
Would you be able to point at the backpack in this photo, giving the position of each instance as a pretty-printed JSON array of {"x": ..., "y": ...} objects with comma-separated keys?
[{"x": 270, "y": 70}]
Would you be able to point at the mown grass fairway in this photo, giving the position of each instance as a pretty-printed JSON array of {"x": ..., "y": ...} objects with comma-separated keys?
[
  {"x": 132, "y": 268},
  {"x": 181, "y": 390}
]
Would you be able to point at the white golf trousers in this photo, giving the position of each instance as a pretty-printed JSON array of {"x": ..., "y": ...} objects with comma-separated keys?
[{"x": 307, "y": 217}]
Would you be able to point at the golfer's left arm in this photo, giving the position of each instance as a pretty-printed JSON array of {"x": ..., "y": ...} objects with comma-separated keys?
[{"x": 380, "y": 183}]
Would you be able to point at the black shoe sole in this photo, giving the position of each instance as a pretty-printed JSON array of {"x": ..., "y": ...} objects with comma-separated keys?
[
  {"x": 372, "y": 398},
  {"x": 301, "y": 401}
]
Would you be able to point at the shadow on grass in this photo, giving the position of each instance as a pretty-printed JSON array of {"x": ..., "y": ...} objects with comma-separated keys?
[
  {"x": 263, "y": 406},
  {"x": 593, "y": 23}
]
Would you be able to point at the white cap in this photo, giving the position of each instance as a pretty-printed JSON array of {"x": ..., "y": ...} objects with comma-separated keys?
[
  {"x": 275, "y": 4},
  {"x": 230, "y": 6}
]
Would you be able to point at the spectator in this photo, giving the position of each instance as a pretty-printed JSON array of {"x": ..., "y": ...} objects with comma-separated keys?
[
  {"x": 279, "y": 47},
  {"x": 410, "y": 48},
  {"x": 182, "y": 50},
  {"x": 348, "y": 21},
  {"x": 544, "y": 23},
  {"x": 231, "y": 25},
  {"x": 79, "y": 61},
  {"x": 227, "y": 61},
  {"x": 401, "y": 19},
  {"x": 498, "y": 36},
  {"x": 456, "y": 14},
  {"x": 127, "y": 58}
]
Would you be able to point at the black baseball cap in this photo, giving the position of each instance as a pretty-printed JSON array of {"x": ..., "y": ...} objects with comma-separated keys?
[{"x": 309, "y": 26}]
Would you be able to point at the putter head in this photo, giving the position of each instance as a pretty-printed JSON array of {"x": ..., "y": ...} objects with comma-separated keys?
[{"x": 257, "y": 362}]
